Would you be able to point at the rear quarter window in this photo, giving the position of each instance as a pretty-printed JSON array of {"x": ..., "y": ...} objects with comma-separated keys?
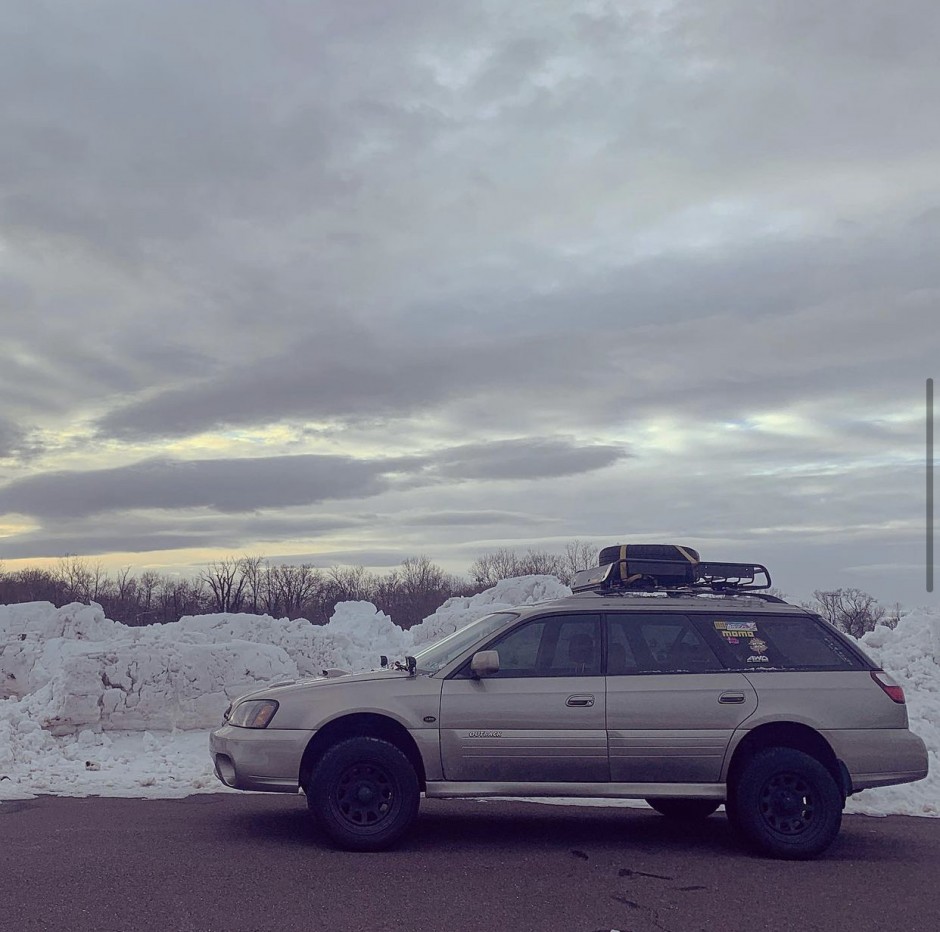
[{"x": 776, "y": 642}]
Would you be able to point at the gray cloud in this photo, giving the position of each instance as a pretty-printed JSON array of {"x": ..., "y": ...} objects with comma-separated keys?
[
  {"x": 654, "y": 334},
  {"x": 482, "y": 518},
  {"x": 225, "y": 485},
  {"x": 524, "y": 459},
  {"x": 17, "y": 443},
  {"x": 11, "y": 437},
  {"x": 140, "y": 532},
  {"x": 250, "y": 484}
]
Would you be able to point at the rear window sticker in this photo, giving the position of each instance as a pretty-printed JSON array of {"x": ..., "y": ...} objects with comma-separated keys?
[
  {"x": 736, "y": 629},
  {"x": 757, "y": 645}
]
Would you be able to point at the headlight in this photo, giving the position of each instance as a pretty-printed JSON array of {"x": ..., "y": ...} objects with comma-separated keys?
[{"x": 255, "y": 713}]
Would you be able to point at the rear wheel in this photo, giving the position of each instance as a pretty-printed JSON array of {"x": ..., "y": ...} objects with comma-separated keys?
[
  {"x": 786, "y": 804},
  {"x": 685, "y": 810},
  {"x": 364, "y": 794}
]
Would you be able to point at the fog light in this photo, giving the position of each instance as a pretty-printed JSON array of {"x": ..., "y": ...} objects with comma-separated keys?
[{"x": 225, "y": 769}]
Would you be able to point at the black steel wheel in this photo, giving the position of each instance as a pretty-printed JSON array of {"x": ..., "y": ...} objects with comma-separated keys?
[
  {"x": 684, "y": 810},
  {"x": 786, "y": 804},
  {"x": 364, "y": 793}
]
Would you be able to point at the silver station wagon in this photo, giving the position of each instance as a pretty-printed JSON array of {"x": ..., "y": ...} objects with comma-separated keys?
[{"x": 661, "y": 677}]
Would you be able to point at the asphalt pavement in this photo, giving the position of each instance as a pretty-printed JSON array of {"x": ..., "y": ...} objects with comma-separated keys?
[{"x": 255, "y": 863}]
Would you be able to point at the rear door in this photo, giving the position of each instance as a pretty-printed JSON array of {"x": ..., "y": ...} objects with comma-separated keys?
[
  {"x": 541, "y": 718},
  {"x": 802, "y": 669},
  {"x": 671, "y": 704}
]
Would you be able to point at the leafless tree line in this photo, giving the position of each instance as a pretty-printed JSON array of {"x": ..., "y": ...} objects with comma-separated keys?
[{"x": 407, "y": 594}]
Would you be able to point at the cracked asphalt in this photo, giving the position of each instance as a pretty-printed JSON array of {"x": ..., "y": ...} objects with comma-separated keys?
[{"x": 254, "y": 863}]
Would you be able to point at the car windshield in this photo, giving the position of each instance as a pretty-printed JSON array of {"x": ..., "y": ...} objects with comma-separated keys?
[{"x": 442, "y": 652}]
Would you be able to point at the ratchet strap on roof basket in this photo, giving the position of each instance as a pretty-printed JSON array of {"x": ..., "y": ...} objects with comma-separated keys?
[{"x": 666, "y": 566}]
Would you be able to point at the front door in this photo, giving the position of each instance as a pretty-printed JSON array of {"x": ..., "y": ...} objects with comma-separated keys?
[
  {"x": 671, "y": 705},
  {"x": 542, "y": 718}
]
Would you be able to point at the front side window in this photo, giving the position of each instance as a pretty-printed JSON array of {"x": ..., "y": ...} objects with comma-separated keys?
[{"x": 558, "y": 645}]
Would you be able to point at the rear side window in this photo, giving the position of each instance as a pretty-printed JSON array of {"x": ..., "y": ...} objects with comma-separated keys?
[
  {"x": 657, "y": 643},
  {"x": 776, "y": 642}
]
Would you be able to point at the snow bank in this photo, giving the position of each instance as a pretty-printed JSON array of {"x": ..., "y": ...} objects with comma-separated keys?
[
  {"x": 459, "y": 611},
  {"x": 911, "y": 654},
  {"x": 90, "y": 706}
]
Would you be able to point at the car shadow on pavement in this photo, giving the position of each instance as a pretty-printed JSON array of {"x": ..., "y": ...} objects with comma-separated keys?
[
  {"x": 493, "y": 826},
  {"x": 496, "y": 826}
]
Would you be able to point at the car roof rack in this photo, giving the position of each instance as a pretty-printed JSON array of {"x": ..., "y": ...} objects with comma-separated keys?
[{"x": 706, "y": 577}]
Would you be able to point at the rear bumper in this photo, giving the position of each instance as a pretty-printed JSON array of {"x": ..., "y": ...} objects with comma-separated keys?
[
  {"x": 879, "y": 756},
  {"x": 260, "y": 759}
]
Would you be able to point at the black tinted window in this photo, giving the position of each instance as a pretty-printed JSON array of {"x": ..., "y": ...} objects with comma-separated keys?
[
  {"x": 792, "y": 642},
  {"x": 561, "y": 645},
  {"x": 620, "y": 655},
  {"x": 659, "y": 643}
]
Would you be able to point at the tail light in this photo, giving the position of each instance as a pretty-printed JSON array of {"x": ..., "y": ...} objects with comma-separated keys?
[{"x": 894, "y": 691}]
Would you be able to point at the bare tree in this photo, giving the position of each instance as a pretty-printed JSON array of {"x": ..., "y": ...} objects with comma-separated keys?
[
  {"x": 579, "y": 555},
  {"x": 850, "y": 610},
  {"x": 414, "y": 590},
  {"x": 226, "y": 581},
  {"x": 32, "y": 584},
  {"x": 541, "y": 563},
  {"x": 489, "y": 568},
  {"x": 125, "y": 584},
  {"x": 147, "y": 585},
  {"x": 294, "y": 586},
  {"x": 76, "y": 577},
  {"x": 256, "y": 572},
  {"x": 351, "y": 583}
]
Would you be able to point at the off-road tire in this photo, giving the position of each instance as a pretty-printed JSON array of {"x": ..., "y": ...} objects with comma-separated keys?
[
  {"x": 786, "y": 804},
  {"x": 363, "y": 793}
]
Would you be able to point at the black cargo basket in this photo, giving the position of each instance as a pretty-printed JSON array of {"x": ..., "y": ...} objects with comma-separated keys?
[
  {"x": 733, "y": 575},
  {"x": 639, "y": 567}
]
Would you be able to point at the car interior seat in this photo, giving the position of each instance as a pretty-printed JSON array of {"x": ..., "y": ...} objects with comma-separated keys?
[{"x": 581, "y": 653}]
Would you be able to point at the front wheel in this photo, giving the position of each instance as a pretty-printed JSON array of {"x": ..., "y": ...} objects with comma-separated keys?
[
  {"x": 786, "y": 804},
  {"x": 364, "y": 794},
  {"x": 684, "y": 810}
]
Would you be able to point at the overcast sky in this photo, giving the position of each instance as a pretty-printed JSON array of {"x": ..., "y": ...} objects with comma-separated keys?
[{"x": 354, "y": 280}]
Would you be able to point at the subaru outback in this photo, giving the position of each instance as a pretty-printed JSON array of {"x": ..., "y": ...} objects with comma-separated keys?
[{"x": 661, "y": 678}]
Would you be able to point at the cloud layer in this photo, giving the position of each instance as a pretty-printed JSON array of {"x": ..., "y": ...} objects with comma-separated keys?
[{"x": 487, "y": 272}]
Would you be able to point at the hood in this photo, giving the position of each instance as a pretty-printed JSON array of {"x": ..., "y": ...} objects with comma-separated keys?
[{"x": 331, "y": 677}]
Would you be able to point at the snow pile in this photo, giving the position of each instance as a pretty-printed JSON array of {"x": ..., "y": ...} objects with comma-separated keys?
[
  {"x": 461, "y": 610},
  {"x": 911, "y": 654},
  {"x": 90, "y": 706},
  {"x": 72, "y": 668}
]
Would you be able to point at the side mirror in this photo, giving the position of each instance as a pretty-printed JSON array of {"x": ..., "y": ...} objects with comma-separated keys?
[{"x": 485, "y": 663}]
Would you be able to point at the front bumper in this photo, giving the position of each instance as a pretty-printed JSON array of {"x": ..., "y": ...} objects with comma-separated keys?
[{"x": 261, "y": 759}]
